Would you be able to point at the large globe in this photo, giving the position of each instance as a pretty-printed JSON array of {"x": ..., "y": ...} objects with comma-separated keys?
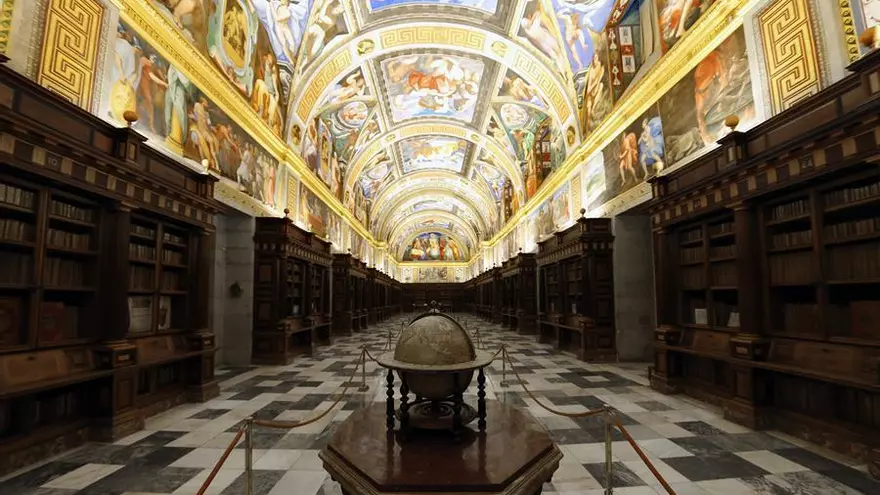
[{"x": 435, "y": 340}]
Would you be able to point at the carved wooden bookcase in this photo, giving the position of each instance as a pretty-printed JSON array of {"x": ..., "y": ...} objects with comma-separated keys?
[
  {"x": 291, "y": 291},
  {"x": 349, "y": 292},
  {"x": 518, "y": 280},
  {"x": 106, "y": 250},
  {"x": 576, "y": 280},
  {"x": 767, "y": 264}
]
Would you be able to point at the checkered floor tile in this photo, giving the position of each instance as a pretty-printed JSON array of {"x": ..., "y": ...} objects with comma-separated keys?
[{"x": 692, "y": 446}]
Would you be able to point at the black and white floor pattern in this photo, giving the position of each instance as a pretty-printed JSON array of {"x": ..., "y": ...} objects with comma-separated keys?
[{"x": 690, "y": 443}]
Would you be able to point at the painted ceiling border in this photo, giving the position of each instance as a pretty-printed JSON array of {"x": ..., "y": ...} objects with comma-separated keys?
[
  {"x": 159, "y": 31},
  {"x": 723, "y": 18}
]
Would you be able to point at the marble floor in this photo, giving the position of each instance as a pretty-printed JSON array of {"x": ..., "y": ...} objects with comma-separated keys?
[{"x": 693, "y": 447}]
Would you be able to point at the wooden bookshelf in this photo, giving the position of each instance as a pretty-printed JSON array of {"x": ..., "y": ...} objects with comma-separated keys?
[
  {"x": 519, "y": 287},
  {"x": 350, "y": 276},
  {"x": 291, "y": 291},
  {"x": 72, "y": 189},
  {"x": 802, "y": 270},
  {"x": 575, "y": 274}
]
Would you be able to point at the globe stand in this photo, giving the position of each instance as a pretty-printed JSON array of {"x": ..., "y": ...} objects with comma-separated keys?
[{"x": 450, "y": 413}]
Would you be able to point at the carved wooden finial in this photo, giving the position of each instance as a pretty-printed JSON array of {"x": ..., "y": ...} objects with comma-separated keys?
[
  {"x": 130, "y": 116},
  {"x": 583, "y": 211},
  {"x": 731, "y": 121},
  {"x": 286, "y": 212},
  {"x": 520, "y": 249}
]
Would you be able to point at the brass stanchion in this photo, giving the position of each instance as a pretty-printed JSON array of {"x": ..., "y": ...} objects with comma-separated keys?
[
  {"x": 609, "y": 462},
  {"x": 364, "y": 387},
  {"x": 249, "y": 456},
  {"x": 504, "y": 358}
]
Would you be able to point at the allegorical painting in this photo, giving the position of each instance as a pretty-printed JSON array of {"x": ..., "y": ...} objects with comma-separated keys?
[
  {"x": 579, "y": 22},
  {"x": 235, "y": 35},
  {"x": 530, "y": 131},
  {"x": 376, "y": 174},
  {"x": 635, "y": 155},
  {"x": 433, "y": 246},
  {"x": 552, "y": 214},
  {"x": 515, "y": 87},
  {"x": 675, "y": 17},
  {"x": 326, "y": 25},
  {"x": 537, "y": 26},
  {"x": 173, "y": 112},
  {"x": 493, "y": 177},
  {"x": 433, "y": 152},
  {"x": 612, "y": 67},
  {"x": 352, "y": 86},
  {"x": 313, "y": 213},
  {"x": 484, "y": 5},
  {"x": 694, "y": 110},
  {"x": 432, "y": 85},
  {"x": 433, "y": 274},
  {"x": 499, "y": 133},
  {"x": 594, "y": 182}
]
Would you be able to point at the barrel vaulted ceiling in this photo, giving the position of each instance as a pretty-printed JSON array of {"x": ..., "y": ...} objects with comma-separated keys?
[{"x": 421, "y": 116}]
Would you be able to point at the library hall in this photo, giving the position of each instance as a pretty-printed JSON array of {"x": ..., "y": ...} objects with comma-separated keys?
[{"x": 439, "y": 247}]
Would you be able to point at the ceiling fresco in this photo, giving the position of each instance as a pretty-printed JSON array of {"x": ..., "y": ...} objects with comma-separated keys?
[{"x": 429, "y": 120}]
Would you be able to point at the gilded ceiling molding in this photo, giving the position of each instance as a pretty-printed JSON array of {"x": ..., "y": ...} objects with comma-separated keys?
[
  {"x": 850, "y": 36},
  {"x": 430, "y": 179},
  {"x": 433, "y": 36},
  {"x": 725, "y": 17},
  {"x": 423, "y": 127},
  {"x": 6, "y": 9},
  {"x": 159, "y": 31},
  {"x": 435, "y": 215},
  {"x": 400, "y": 203}
]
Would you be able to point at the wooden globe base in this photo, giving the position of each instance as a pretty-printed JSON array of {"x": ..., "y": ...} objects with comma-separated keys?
[{"x": 450, "y": 413}]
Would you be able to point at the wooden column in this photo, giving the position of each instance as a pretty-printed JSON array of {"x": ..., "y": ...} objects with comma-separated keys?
[
  {"x": 200, "y": 371},
  {"x": 115, "y": 350},
  {"x": 667, "y": 364},
  {"x": 750, "y": 388},
  {"x": 748, "y": 343}
]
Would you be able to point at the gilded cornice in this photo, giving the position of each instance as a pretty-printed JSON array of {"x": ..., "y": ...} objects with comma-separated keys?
[
  {"x": 724, "y": 17},
  {"x": 423, "y": 127},
  {"x": 433, "y": 36},
  {"x": 161, "y": 33}
]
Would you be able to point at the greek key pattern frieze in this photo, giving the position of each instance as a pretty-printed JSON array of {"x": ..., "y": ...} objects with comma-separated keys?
[
  {"x": 322, "y": 81},
  {"x": 536, "y": 73},
  {"x": 70, "y": 49},
  {"x": 460, "y": 37},
  {"x": 789, "y": 52}
]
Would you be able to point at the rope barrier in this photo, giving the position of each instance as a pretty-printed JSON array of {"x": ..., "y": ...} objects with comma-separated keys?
[
  {"x": 532, "y": 396},
  {"x": 643, "y": 456},
  {"x": 287, "y": 425},
  {"x": 210, "y": 478}
]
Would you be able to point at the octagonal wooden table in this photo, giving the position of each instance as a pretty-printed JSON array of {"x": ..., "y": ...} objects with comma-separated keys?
[{"x": 514, "y": 456}]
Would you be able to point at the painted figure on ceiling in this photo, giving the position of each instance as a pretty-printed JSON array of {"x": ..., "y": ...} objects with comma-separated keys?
[
  {"x": 266, "y": 95},
  {"x": 202, "y": 133},
  {"x": 598, "y": 98},
  {"x": 629, "y": 157},
  {"x": 151, "y": 83},
  {"x": 176, "y": 117},
  {"x": 536, "y": 27},
  {"x": 324, "y": 19},
  {"x": 651, "y": 147}
]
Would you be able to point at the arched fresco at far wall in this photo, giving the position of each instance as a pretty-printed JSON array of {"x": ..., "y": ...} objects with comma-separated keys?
[{"x": 433, "y": 246}]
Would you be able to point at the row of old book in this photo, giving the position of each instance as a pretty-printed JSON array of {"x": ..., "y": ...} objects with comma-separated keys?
[
  {"x": 60, "y": 272},
  {"x": 68, "y": 240},
  {"x": 17, "y": 196},
  {"x": 65, "y": 210}
]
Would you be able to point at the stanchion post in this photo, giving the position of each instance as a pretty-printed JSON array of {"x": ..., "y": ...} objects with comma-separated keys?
[
  {"x": 609, "y": 472},
  {"x": 503, "y": 365},
  {"x": 364, "y": 370},
  {"x": 249, "y": 456}
]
